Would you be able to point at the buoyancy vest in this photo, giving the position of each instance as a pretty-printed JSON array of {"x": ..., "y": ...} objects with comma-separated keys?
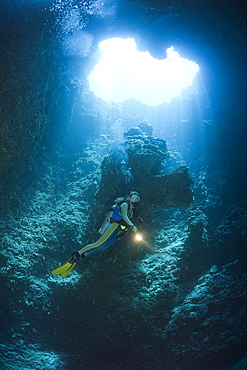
[{"x": 117, "y": 214}]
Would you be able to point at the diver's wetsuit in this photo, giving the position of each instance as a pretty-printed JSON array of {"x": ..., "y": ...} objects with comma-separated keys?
[
  {"x": 112, "y": 233},
  {"x": 121, "y": 215},
  {"x": 110, "y": 236}
]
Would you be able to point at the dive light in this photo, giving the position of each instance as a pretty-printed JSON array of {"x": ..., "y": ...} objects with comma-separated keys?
[{"x": 138, "y": 237}]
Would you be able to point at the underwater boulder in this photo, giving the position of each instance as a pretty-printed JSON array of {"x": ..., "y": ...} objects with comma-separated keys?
[
  {"x": 134, "y": 131},
  {"x": 145, "y": 158},
  {"x": 138, "y": 165},
  {"x": 115, "y": 179},
  {"x": 145, "y": 154},
  {"x": 146, "y": 127}
]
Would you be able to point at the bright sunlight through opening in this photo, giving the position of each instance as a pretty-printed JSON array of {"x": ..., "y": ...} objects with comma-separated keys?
[{"x": 124, "y": 73}]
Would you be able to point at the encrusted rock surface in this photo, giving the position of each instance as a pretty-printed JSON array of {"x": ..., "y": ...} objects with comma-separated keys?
[{"x": 212, "y": 316}]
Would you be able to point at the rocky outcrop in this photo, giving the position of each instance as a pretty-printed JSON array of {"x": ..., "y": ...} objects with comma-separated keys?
[
  {"x": 138, "y": 165},
  {"x": 193, "y": 259},
  {"x": 212, "y": 317}
]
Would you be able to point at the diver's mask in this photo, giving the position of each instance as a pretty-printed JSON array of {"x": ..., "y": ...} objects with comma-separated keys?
[{"x": 134, "y": 198}]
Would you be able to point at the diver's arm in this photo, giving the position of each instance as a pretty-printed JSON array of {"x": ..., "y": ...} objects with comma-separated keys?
[{"x": 124, "y": 211}]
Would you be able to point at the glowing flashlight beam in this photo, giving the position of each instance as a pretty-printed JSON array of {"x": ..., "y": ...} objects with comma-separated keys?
[{"x": 138, "y": 237}]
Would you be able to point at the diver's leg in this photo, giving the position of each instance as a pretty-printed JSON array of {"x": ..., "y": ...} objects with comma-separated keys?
[
  {"x": 111, "y": 235},
  {"x": 105, "y": 241},
  {"x": 109, "y": 242}
]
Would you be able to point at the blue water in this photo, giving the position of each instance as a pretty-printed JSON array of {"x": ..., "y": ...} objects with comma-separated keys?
[{"x": 178, "y": 300}]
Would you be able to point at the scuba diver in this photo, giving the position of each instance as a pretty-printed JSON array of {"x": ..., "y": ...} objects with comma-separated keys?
[{"x": 115, "y": 226}]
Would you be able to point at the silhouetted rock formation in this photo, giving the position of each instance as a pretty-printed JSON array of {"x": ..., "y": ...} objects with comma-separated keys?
[{"x": 137, "y": 166}]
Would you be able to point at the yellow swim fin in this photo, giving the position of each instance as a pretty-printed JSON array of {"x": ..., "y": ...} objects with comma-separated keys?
[{"x": 68, "y": 266}]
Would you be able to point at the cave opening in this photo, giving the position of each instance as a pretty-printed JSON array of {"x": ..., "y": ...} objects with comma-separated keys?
[{"x": 123, "y": 72}]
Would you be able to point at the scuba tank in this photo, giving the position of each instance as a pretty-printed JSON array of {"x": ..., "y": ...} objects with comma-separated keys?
[{"x": 106, "y": 221}]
